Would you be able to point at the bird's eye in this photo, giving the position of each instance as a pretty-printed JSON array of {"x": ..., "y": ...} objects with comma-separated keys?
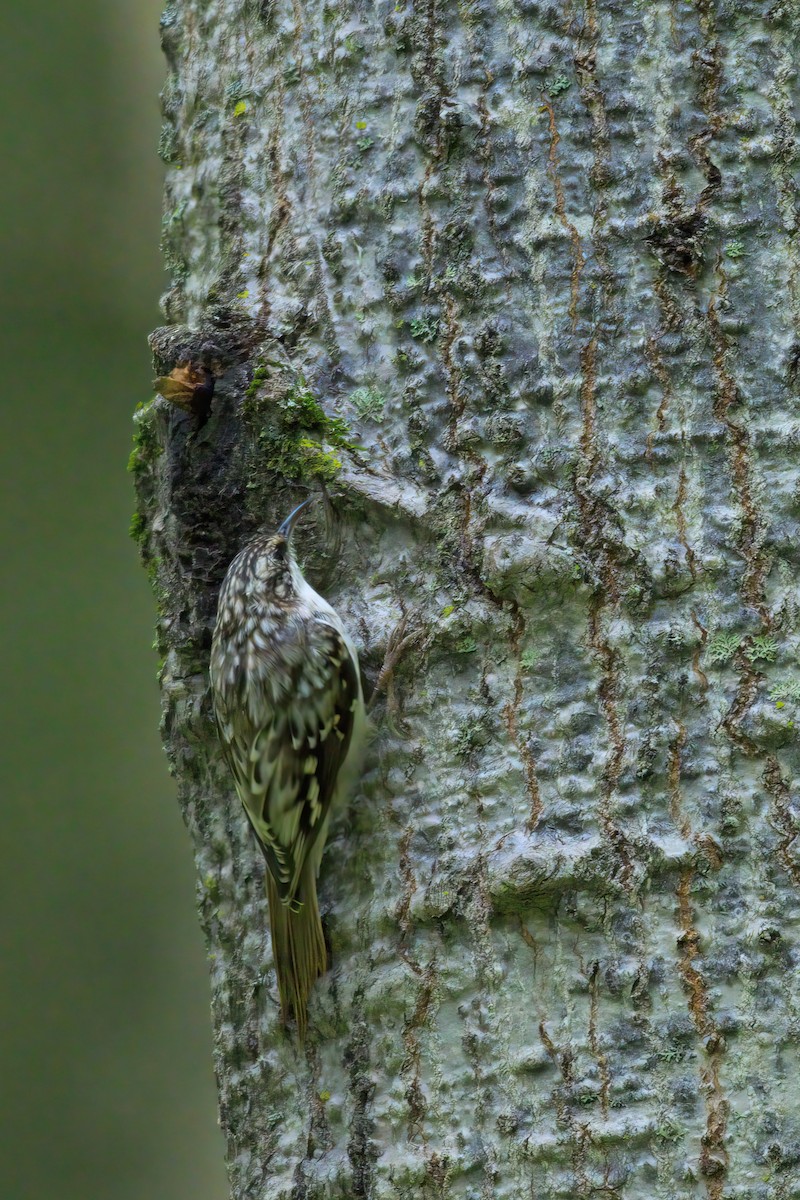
[{"x": 281, "y": 546}]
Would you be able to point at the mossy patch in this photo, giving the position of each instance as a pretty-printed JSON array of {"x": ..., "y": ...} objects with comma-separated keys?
[
  {"x": 294, "y": 435},
  {"x": 138, "y": 530},
  {"x": 146, "y": 446}
]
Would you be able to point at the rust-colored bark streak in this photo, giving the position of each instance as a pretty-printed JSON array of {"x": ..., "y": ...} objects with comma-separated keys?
[
  {"x": 709, "y": 59},
  {"x": 468, "y": 564},
  {"x": 478, "y": 464},
  {"x": 532, "y": 784},
  {"x": 662, "y": 375},
  {"x": 428, "y": 240},
  {"x": 592, "y": 95},
  {"x": 674, "y": 781},
  {"x": 530, "y": 942},
  {"x": 600, "y": 1058},
  {"x": 397, "y": 644},
  {"x": 773, "y": 778},
  {"x": 410, "y": 1067},
  {"x": 657, "y": 363},
  {"x": 781, "y": 814},
  {"x": 588, "y": 403},
  {"x": 753, "y": 587},
  {"x": 564, "y": 1062},
  {"x": 451, "y": 332},
  {"x": 403, "y": 909},
  {"x": 745, "y": 695},
  {"x": 713, "y": 1153},
  {"x": 578, "y": 259},
  {"x": 607, "y": 594},
  {"x": 750, "y": 541},
  {"x": 784, "y": 161},
  {"x": 680, "y": 521},
  {"x": 704, "y": 842},
  {"x": 739, "y": 446},
  {"x": 608, "y": 693},
  {"x": 610, "y": 781},
  {"x": 670, "y": 311}
]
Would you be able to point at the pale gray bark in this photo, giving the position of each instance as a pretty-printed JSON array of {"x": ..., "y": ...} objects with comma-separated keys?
[{"x": 542, "y": 259}]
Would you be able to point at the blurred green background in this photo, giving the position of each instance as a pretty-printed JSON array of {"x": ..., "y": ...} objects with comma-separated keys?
[{"x": 107, "y": 1082}]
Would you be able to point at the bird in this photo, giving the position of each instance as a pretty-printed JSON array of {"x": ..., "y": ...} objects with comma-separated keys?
[{"x": 289, "y": 708}]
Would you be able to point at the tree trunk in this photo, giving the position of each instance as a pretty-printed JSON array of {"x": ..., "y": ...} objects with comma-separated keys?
[{"x": 515, "y": 285}]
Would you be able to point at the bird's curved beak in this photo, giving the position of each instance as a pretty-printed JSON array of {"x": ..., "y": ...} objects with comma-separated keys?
[{"x": 285, "y": 529}]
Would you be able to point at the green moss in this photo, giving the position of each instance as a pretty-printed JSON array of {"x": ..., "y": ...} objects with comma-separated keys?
[
  {"x": 258, "y": 380},
  {"x": 138, "y": 529},
  {"x": 301, "y": 408},
  {"x": 146, "y": 446},
  {"x": 295, "y": 436},
  {"x": 315, "y": 461},
  {"x": 211, "y": 885}
]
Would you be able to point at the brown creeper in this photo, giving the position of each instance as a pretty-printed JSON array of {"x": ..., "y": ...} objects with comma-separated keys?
[{"x": 290, "y": 711}]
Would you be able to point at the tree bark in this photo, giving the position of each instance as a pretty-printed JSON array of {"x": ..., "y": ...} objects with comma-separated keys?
[{"x": 515, "y": 286}]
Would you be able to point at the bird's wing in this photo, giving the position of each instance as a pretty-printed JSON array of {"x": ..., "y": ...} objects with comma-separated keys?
[{"x": 286, "y": 768}]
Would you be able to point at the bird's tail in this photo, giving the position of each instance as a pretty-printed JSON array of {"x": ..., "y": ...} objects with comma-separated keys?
[{"x": 298, "y": 946}]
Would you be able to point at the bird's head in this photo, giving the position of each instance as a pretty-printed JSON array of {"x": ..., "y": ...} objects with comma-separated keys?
[{"x": 273, "y": 568}]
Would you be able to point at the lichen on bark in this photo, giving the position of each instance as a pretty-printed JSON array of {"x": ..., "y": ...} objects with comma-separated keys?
[{"x": 528, "y": 275}]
